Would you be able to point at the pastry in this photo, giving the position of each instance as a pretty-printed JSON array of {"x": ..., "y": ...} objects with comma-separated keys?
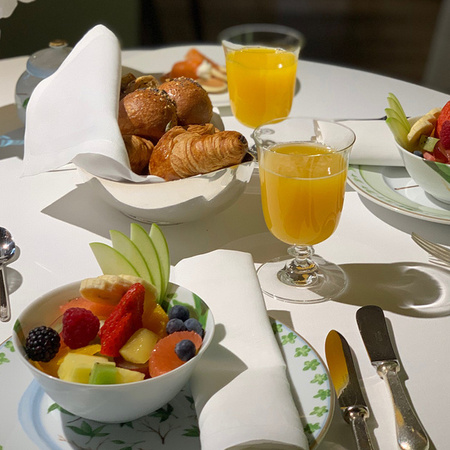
[
  {"x": 181, "y": 153},
  {"x": 193, "y": 102},
  {"x": 148, "y": 113},
  {"x": 139, "y": 151}
]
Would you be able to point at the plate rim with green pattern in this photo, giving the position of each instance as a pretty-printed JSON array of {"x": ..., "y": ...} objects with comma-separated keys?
[
  {"x": 47, "y": 425},
  {"x": 371, "y": 182}
]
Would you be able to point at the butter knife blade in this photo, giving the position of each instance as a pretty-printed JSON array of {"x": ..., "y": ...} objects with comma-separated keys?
[
  {"x": 374, "y": 332},
  {"x": 348, "y": 390}
]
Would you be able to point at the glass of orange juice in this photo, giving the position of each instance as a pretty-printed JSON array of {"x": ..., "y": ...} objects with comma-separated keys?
[
  {"x": 261, "y": 63},
  {"x": 303, "y": 169}
]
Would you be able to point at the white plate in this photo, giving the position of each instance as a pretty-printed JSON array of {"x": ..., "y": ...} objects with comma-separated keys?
[
  {"x": 393, "y": 188},
  {"x": 160, "y": 61},
  {"x": 43, "y": 424}
]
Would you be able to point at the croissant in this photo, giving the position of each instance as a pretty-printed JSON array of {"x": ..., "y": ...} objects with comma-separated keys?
[
  {"x": 139, "y": 151},
  {"x": 183, "y": 153}
]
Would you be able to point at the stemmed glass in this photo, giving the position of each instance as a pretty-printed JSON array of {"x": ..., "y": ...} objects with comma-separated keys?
[{"x": 303, "y": 168}]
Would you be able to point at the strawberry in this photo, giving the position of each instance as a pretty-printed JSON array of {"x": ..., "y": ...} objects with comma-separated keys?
[
  {"x": 444, "y": 134},
  {"x": 125, "y": 319},
  {"x": 115, "y": 338},
  {"x": 443, "y": 116},
  {"x": 132, "y": 301}
]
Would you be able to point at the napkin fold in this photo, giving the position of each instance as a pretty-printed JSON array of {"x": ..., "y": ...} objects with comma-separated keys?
[
  {"x": 72, "y": 115},
  {"x": 241, "y": 391},
  {"x": 374, "y": 144}
]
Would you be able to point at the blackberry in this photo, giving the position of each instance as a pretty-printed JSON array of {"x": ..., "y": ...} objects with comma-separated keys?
[
  {"x": 42, "y": 344},
  {"x": 174, "y": 325},
  {"x": 194, "y": 325},
  {"x": 179, "y": 312},
  {"x": 185, "y": 349}
]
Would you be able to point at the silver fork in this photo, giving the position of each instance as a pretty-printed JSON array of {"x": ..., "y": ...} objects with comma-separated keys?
[{"x": 436, "y": 250}]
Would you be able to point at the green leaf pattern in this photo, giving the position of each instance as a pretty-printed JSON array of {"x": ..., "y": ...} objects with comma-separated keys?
[
  {"x": 286, "y": 338},
  {"x": 162, "y": 427}
]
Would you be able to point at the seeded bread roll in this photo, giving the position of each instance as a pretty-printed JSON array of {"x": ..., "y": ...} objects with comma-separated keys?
[
  {"x": 147, "y": 113},
  {"x": 193, "y": 102}
]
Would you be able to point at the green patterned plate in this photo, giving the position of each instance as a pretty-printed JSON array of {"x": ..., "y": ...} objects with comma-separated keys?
[
  {"x": 43, "y": 424},
  {"x": 393, "y": 188}
]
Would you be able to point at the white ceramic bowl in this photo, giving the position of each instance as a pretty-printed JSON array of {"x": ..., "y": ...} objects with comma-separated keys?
[
  {"x": 432, "y": 177},
  {"x": 178, "y": 201},
  {"x": 107, "y": 403}
]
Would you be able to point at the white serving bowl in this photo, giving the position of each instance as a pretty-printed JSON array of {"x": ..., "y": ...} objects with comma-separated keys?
[
  {"x": 432, "y": 177},
  {"x": 107, "y": 403},
  {"x": 177, "y": 201}
]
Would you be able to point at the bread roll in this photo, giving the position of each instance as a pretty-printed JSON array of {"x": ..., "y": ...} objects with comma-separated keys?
[
  {"x": 139, "y": 151},
  {"x": 193, "y": 103},
  {"x": 181, "y": 153},
  {"x": 144, "y": 82},
  {"x": 147, "y": 113}
]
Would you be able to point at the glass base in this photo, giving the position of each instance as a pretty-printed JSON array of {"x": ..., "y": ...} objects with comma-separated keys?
[{"x": 328, "y": 282}]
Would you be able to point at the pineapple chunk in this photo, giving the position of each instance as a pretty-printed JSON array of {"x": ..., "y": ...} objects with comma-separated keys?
[
  {"x": 128, "y": 376},
  {"x": 138, "y": 348},
  {"x": 77, "y": 367}
]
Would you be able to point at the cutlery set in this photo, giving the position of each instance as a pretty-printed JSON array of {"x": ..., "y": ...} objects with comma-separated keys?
[{"x": 372, "y": 326}]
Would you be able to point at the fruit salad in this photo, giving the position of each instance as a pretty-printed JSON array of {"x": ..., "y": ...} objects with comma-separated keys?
[
  {"x": 428, "y": 137},
  {"x": 115, "y": 332},
  {"x": 120, "y": 329}
]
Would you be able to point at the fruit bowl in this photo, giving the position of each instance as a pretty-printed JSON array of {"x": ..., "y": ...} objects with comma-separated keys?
[
  {"x": 114, "y": 403},
  {"x": 433, "y": 177},
  {"x": 178, "y": 201}
]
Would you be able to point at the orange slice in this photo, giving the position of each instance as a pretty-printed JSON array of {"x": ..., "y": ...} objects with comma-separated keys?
[{"x": 164, "y": 359}]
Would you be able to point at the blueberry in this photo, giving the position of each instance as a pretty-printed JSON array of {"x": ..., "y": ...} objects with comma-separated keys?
[
  {"x": 174, "y": 325},
  {"x": 194, "y": 325},
  {"x": 179, "y": 312},
  {"x": 418, "y": 153},
  {"x": 185, "y": 349}
]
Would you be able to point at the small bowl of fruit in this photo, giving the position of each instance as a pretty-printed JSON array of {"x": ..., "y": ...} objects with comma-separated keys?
[
  {"x": 113, "y": 348},
  {"x": 424, "y": 145}
]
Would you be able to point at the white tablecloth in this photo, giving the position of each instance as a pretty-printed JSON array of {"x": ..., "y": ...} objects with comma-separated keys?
[{"x": 53, "y": 217}]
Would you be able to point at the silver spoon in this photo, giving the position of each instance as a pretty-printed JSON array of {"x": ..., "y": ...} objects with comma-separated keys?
[{"x": 7, "y": 250}]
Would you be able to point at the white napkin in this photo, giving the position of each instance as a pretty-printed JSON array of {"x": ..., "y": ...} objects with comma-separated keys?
[
  {"x": 242, "y": 395},
  {"x": 72, "y": 115},
  {"x": 375, "y": 144}
]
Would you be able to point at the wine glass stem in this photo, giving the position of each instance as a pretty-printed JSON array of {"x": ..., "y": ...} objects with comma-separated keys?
[{"x": 301, "y": 270}]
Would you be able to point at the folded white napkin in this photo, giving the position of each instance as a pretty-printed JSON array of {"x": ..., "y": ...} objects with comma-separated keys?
[
  {"x": 241, "y": 391},
  {"x": 72, "y": 115},
  {"x": 374, "y": 144}
]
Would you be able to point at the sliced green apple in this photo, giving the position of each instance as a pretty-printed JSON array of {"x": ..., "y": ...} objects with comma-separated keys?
[
  {"x": 162, "y": 250},
  {"x": 143, "y": 242},
  {"x": 394, "y": 104},
  {"x": 111, "y": 261},
  {"x": 398, "y": 130},
  {"x": 128, "y": 249}
]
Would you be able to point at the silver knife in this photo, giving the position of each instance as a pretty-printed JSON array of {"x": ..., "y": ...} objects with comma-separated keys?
[
  {"x": 347, "y": 387},
  {"x": 372, "y": 326}
]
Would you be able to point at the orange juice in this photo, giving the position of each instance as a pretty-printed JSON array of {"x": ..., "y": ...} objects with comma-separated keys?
[
  {"x": 302, "y": 190},
  {"x": 261, "y": 84}
]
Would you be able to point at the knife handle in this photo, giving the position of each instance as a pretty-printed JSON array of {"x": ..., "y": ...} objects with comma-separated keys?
[
  {"x": 410, "y": 433},
  {"x": 356, "y": 416}
]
